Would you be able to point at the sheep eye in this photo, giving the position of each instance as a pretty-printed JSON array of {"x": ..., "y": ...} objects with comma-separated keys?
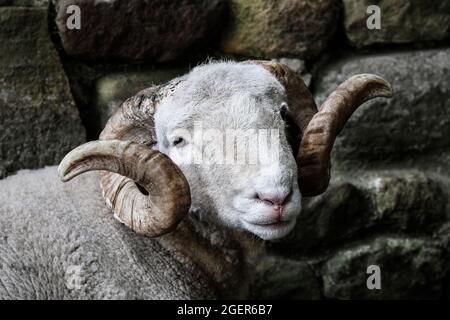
[{"x": 178, "y": 141}]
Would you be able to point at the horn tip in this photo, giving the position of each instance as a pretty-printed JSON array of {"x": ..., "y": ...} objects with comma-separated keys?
[
  {"x": 63, "y": 172},
  {"x": 382, "y": 87},
  {"x": 386, "y": 90}
]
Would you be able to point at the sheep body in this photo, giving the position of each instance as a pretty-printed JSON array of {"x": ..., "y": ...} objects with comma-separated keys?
[{"x": 60, "y": 241}]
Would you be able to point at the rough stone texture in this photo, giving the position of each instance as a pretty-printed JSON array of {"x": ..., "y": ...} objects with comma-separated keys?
[
  {"x": 390, "y": 201},
  {"x": 39, "y": 122},
  {"x": 443, "y": 235},
  {"x": 415, "y": 122},
  {"x": 113, "y": 89},
  {"x": 408, "y": 200},
  {"x": 157, "y": 30},
  {"x": 24, "y": 3},
  {"x": 410, "y": 268},
  {"x": 280, "y": 278},
  {"x": 276, "y": 28},
  {"x": 401, "y": 21}
]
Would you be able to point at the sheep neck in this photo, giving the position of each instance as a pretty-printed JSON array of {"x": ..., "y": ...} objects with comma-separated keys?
[{"x": 223, "y": 254}]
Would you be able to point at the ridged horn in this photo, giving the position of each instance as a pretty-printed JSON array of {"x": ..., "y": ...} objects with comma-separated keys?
[
  {"x": 144, "y": 188},
  {"x": 154, "y": 195},
  {"x": 314, "y": 161}
]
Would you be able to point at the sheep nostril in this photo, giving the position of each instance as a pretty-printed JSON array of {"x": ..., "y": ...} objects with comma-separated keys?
[{"x": 273, "y": 200}]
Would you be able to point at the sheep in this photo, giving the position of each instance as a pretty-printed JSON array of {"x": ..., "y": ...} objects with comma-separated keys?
[{"x": 184, "y": 230}]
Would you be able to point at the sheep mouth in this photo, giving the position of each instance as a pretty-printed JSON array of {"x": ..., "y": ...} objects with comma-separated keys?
[
  {"x": 273, "y": 224},
  {"x": 270, "y": 231},
  {"x": 278, "y": 223}
]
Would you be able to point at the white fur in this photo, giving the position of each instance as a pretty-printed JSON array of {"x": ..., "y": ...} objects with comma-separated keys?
[{"x": 223, "y": 96}]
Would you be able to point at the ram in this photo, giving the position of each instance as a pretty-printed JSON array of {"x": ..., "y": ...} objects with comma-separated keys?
[{"x": 193, "y": 230}]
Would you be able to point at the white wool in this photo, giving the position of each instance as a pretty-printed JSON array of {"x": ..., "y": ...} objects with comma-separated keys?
[{"x": 223, "y": 96}]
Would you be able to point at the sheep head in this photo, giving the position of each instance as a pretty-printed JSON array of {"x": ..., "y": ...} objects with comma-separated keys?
[{"x": 143, "y": 150}]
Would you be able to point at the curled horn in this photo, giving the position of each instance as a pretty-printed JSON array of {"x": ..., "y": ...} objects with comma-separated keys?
[
  {"x": 318, "y": 139},
  {"x": 144, "y": 188},
  {"x": 319, "y": 129}
]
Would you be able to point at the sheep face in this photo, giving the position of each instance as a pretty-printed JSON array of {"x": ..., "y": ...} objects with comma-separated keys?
[{"x": 223, "y": 127}]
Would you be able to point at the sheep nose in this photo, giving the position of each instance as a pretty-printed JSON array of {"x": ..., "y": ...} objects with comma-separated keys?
[{"x": 275, "y": 200}]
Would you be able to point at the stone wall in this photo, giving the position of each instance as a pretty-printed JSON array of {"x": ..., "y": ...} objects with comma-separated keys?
[{"x": 389, "y": 200}]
